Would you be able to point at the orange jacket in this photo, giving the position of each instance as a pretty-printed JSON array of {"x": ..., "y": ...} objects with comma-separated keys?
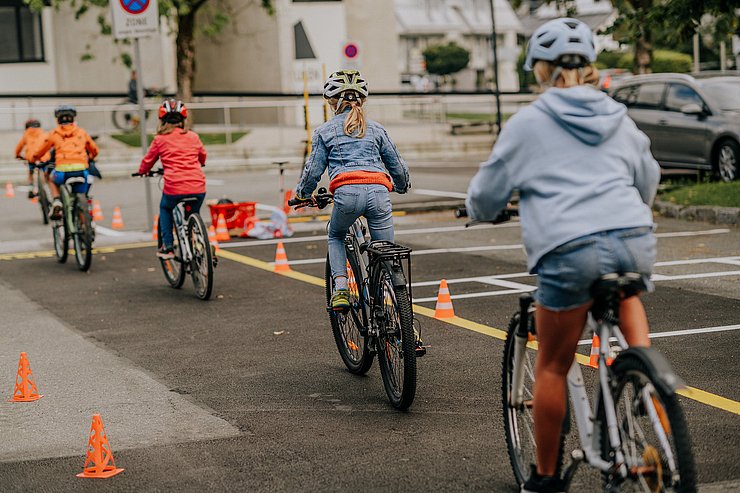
[
  {"x": 32, "y": 139},
  {"x": 72, "y": 147}
]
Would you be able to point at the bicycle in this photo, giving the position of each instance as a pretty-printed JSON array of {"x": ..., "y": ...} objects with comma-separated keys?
[
  {"x": 380, "y": 319},
  {"x": 75, "y": 223},
  {"x": 193, "y": 252},
  {"x": 633, "y": 429},
  {"x": 40, "y": 188}
]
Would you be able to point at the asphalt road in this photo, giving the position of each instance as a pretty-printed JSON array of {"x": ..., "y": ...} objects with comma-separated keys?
[{"x": 246, "y": 392}]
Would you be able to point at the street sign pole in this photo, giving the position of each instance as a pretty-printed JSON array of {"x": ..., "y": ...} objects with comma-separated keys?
[{"x": 142, "y": 127}]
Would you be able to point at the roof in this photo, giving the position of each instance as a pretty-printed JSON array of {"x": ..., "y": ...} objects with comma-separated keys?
[{"x": 442, "y": 17}]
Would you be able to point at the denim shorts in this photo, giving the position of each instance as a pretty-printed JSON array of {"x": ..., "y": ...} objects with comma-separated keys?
[
  {"x": 565, "y": 274},
  {"x": 60, "y": 177}
]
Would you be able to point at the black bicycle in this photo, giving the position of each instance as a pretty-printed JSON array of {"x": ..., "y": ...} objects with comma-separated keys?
[
  {"x": 380, "y": 319},
  {"x": 75, "y": 224},
  {"x": 193, "y": 252}
]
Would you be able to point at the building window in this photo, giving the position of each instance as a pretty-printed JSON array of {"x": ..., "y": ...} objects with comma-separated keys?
[{"x": 21, "y": 37}]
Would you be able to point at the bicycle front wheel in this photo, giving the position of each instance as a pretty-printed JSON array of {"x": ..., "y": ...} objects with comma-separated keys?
[
  {"x": 83, "y": 235},
  {"x": 350, "y": 327},
  {"x": 202, "y": 262},
  {"x": 396, "y": 342},
  {"x": 653, "y": 432},
  {"x": 43, "y": 197},
  {"x": 172, "y": 268}
]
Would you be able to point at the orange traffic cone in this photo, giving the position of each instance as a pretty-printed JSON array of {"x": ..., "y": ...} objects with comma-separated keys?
[
  {"x": 444, "y": 302},
  {"x": 25, "y": 387},
  {"x": 117, "y": 219},
  {"x": 155, "y": 228},
  {"x": 35, "y": 200},
  {"x": 222, "y": 233},
  {"x": 99, "y": 462},
  {"x": 9, "y": 192},
  {"x": 97, "y": 211},
  {"x": 593, "y": 361},
  {"x": 288, "y": 195},
  {"x": 281, "y": 259},
  {"x": 212, "y": 238}
]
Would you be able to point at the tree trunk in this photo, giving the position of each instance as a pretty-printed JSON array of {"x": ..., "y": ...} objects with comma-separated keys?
[
  {"x": 185, "y": 55},
  {"x": 643, "y": 59}
]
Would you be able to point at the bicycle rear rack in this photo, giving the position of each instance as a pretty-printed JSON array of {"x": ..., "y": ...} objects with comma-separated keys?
[{"x": 382, "y": 250}]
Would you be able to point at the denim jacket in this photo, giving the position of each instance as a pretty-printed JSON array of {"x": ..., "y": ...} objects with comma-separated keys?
[{"x": 341, "y": 153}]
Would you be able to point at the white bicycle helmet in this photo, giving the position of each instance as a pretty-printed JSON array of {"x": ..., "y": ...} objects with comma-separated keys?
[
  {"x": 566, "y": 42},
  {"x": 344, "y": 84}
]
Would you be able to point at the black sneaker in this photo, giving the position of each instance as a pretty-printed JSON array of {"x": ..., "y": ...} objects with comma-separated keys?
[
  {"x": 543, "y": 484},
  {"x": 31, "y": 194},
  {"x": 166, "y": 253}
]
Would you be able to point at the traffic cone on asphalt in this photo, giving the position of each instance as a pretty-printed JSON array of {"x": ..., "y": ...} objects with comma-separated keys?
[
  {"x": 593, "y": 361},
  {"x": 117, "y": 219},
  {"x": 222, "y": 232},
  {"x": 25, "y": 387},
  {"x": 9, "y": 191},
  {"x": 97, "y": 211},
  {"x": 444, "y": 302},
  {"x": 99, "y": 462},
  {"x": 212, "y": 238},
  {"x": 281, "y": 259},
  {"x": 155, "y": 228}
]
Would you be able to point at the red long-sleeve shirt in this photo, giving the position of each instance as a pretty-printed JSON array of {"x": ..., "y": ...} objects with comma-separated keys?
[{"x": 182, "y": 155}]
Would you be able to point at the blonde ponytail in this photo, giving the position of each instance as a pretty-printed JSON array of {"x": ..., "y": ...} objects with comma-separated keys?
[
  {"x": 355, "y": 123},
  {"x": 566, "y": 77}
]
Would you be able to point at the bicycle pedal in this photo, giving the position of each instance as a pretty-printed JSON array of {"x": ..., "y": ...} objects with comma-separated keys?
[{"x": 421, "y": 351}]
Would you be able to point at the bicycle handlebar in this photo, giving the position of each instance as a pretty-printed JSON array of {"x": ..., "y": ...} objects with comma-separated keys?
[
  {"x": 505, "y": 215},
  {"x": 319, "y": 200},
  {"x": 151, "y": 173}
]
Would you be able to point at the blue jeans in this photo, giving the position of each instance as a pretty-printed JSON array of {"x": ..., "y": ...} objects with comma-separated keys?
[
  {"x": 167, "y": 205},
  {"x": 350, "y": 202},
  {"x": 565, "y": 274}
]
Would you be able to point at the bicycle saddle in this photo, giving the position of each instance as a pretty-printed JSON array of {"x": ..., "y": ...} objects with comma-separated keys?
[
  {"x": 613, "y": 284},
  {"x": 188, "y": 199},
  {"x": 75, "y": 179}
]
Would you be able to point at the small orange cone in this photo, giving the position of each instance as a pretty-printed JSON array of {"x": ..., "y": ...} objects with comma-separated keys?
[
  {"x": 593, "y": 361},
  {"x": 117, "y": 219},
  {"x": 288, "y": 195},
  {"x": 281, "y": 259},
  {"x": 155, "y": 232},
  {"x": 97, "y": 211},
  {"x": 9, "y": 191},
  {"x": 25, "y": 387},
  {"x": 444, "y": 302},
  {"x": 35, "y": 200},
  {"x": 352, "y": 282},
  {"x": 99, "y": 462},
  {"x": 222, "y": 233},
  {"x": 212, "y": 238}
]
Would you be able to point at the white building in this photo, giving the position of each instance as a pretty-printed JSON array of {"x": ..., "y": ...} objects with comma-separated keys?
[{"x": 422, "y": 23}]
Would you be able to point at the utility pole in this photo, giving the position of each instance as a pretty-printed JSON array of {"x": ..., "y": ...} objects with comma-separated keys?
[{"x": 495, "y": 69}]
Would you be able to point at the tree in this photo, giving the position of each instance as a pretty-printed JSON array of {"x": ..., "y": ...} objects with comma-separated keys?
[
  {"x": 446, "y": 59},
  {"x": 181, "y": 16}
]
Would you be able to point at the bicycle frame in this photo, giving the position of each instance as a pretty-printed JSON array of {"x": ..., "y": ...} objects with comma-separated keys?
[{"x": 68, "y": 197}]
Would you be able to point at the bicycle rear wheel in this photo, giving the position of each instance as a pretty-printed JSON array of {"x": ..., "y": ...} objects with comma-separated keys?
[
  {"x": 173, "y": 269},
  {"x": 396, "y": 342},
  {"x": 349, "y": 327},
  {"x": 653, "y": 432},
  {"x": 61, "y": 240},
  {"x": 83, "y": 235},
  {"x": 201, "y": 269},
  {"x": 519, "y": 421}
]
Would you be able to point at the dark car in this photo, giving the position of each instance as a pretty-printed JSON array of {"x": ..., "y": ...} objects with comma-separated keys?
[{"x": 692, "y": 122}]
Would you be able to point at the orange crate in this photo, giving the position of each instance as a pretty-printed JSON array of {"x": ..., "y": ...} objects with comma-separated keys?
[{"x": 234, "y": 214}]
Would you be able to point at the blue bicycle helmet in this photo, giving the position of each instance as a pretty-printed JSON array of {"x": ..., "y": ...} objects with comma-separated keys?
[{"x": 566, "y": 42}]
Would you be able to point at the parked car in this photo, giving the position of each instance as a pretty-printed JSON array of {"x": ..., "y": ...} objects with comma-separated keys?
[
  {"x": 692, "y": 122},
  {"x": 610, "y": 76}
]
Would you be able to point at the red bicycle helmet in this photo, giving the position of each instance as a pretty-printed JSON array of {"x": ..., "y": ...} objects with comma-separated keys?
[{"x": 173, "y": 111}]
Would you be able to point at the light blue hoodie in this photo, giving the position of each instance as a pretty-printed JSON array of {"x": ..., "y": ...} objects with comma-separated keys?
[{"x": 580, "y": 164}]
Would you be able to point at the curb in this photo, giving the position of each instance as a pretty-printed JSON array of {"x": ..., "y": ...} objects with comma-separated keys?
[{"x": 706, "y": 213}]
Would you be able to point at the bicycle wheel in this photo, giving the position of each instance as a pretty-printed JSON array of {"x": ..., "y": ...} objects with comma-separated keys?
[
  {"x": 201, "y": 269},
  {"x": 350, "y": 327},
  {"x": 519, "y": 422},
  {"x": 43, "y": 197},
  {"x": 396, "y": 342},
  {"x": 82, "y": 238},
  {"x": 124, "y": 120},
  {"x": 653, "y": 431},
  {"x": 173, "y": 269},
  {"x": 60, "y": 230}
]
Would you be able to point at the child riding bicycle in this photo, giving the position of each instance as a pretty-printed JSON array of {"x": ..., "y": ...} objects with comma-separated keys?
[
  {"x": 32, "y": 138},
  {"x": 586, "y": 180},
  {"x": 182, "y": 155},
  {"x": 73, "y": 147},
  {"x": 364, "y": 166}
]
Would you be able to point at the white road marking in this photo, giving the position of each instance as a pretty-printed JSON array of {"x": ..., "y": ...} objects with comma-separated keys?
[
  {"x": 677, "y": 234},
  {"x": 481, "y": 279},
  {"x": 660, "y": 277},
  {"x": 718, "y": 260},
  {"x": 673, "y": 333},
  {"x": 439, "y": 193}
]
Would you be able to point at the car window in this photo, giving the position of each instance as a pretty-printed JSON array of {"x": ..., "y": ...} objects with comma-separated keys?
[
  {"x": 724, "y": 93},
  {"x": 649, "y": 96},
  {"x": 626, "y": 95},
  {"x": 679, "y": 96}
]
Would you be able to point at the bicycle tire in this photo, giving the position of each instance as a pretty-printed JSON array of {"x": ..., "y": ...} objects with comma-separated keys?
[
  {"x": 43, "y": 197},
  {"x": 60, "y": 231},
  {"x": 348, "y": 327},
  {"x": 173, "y": 268},
  {"x": 122, "y": 119},
  {"x": 632, "y": 378},
  {"x": 82, "y": 238},
  {"x": 201, "y": 265},
  {"x": 521, "y": 448},
  {"x": 396, "y": 341}
]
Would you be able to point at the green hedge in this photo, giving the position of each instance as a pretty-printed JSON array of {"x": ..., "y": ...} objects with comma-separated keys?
[
  {"x": 608, "y": 59},
  {"x": 663, "y": 61}
]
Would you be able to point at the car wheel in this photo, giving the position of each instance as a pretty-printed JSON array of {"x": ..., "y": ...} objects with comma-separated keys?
[{"x": 727, "y": 160}]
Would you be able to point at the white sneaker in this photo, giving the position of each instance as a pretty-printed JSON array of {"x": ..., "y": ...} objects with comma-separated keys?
[{"x": 55, "y": 213}]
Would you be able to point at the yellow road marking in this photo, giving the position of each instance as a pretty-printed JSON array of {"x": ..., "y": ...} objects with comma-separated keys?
[
  {"x": 693, "y": 393},
  {"x": 51, "y": 253}
]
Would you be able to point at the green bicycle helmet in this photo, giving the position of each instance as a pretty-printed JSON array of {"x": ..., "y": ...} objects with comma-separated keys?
[{"x": 342, "y": 83}]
